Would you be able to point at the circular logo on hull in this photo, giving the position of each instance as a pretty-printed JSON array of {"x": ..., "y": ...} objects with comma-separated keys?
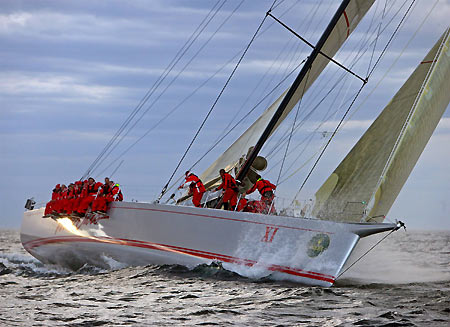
[{"x": 318, "y": 244}]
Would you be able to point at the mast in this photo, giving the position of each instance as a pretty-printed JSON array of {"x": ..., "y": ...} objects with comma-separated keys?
[{"x": 271, "y": 125}]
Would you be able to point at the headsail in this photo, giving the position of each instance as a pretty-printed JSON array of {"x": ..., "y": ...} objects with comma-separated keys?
[
  {"x": 373, "y": 173},
  {"x": 356, "y": 9}
]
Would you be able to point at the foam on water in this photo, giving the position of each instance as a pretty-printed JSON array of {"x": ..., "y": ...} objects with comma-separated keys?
[
  {"x": 26, "y": 264},
  {"x": 400, "y": 260},
  {"x": 210, "y": 295},
  {"x": 113, "y": 264}
]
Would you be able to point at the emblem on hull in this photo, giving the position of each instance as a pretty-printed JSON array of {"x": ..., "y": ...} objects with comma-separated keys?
[{"x": 318, "y": 244}]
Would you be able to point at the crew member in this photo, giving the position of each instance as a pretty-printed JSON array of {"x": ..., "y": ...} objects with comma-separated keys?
[
  {"x": 105, "y": 196},
  {"x": 61, "y": 200},
  {"x": 105, "y": 187},
  {"x": 50, "y": 207},
  {"x": 88, "y": 195},
  {"x": 230, "y": 190},
  {"x": 69, "y": 198},
  {"x": 119, "y": 196},
  {"x": 196, "y": 187},
  {"x": 265, "y": 188}
]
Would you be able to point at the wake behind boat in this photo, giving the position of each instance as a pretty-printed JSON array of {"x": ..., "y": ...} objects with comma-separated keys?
[{"x": 351, "y": 204}]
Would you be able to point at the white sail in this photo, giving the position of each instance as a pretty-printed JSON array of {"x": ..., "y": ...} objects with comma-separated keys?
[
  {"x": 353, "y": 14},
  {"x": 368, "y": 180}
]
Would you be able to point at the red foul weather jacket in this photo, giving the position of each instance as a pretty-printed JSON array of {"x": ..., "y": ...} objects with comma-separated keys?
[{"x": 263, "y": 186}]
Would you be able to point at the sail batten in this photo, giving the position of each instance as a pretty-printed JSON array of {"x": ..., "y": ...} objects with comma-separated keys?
[{"x": 369, "y": 179}]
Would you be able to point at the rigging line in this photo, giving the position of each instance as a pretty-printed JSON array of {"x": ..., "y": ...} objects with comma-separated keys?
[
  {"x": 172, "y": 81},
  {"x": 225, "y": 129},
  {"x": 377, "y": 37},
  {"x": 340, "y": 123},
  {"x": 295, "y": 48},
  {"x": 290, "y": 93},
  {"x": 144, "y": 99},
  {"x": 396, "y": 60},
  {"x": 322, "y": 53},
  {"x": 367, "y": 33},
  {"x": 313, "y": 97},
  {"x": 214, "y": 104},
  {"x": 360, "y": 52},
  {"x": 240, "y": 121},
  {"x": 172, "y": 110},
  {"x": 181, "y": 102},
  {"x": 399, "y": 225},
  {"x": 292, "y": 61},
  {"x": 351, "y": 105},
  {"x": 293, "y": 125},
  {"x": 364, "y": 44},
  {"x": 277, "y": 5},
  {"x": 167, "y": 70},
  {"x": 411, "y": 112},
  {"x": 309, "y": 140},
  {"x": 328, "y": 116},
  {"x": 114, "y": 171},
  {"x": 391, "y": 38},
  {"x": 329, "y": 141},
  {"x": 187, "y": 97},
  {"x": 304, "y": 120},
  {"x": 303, "y": 165},
  {"x": 283, "y": 139}
]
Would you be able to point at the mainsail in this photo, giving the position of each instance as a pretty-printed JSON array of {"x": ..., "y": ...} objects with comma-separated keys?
[
  {"x": 366, "y": 183},
  {"x": 354, "y": 12}
]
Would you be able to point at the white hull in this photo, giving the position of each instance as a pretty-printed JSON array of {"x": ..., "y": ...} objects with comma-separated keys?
[{"x": 308, "y": 251}]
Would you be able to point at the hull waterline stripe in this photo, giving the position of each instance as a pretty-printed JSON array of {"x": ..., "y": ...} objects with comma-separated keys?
[
  {"x": 201, "y": 254},
  {"x": 225, "y": 218}
]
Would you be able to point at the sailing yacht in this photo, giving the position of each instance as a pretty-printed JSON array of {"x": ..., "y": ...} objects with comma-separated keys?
[{"x": 351, "y": 204}]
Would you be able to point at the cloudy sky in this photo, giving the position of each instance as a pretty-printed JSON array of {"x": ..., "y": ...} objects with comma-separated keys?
[{"x": 74, "y": 71}]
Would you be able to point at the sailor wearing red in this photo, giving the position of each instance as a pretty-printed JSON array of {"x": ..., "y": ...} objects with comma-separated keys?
[
  {"x": 264, "y": 187},
  {"x": 259, "y": 207},
  {"x": 196, "y": 187},
  {"x": 60, "y": 200},
  {"x": 89, "y": 193},
  {"x": 50, "y": 207},
  {"x": 76, "y": 200},
  {"x": 107, "y": 194},
  {"x": 265, "y": 205},
  {"x": 68, "y": 201},
  {"x": 230, "y": 188}
]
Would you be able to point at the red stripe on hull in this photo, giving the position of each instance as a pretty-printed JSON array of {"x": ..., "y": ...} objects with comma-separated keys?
[{"x": 168, "y": 248}]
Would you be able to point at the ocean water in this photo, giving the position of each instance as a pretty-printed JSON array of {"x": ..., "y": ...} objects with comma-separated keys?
[{"x": 405, "y": 281}]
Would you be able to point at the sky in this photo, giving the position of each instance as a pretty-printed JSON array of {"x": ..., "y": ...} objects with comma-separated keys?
[{"x": 74, "y": 71}]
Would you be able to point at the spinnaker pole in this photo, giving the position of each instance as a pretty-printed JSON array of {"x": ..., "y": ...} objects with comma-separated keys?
[{"x": 295, "y": 85}]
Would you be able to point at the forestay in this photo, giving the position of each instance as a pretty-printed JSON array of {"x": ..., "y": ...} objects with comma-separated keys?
[
  {"x": 353, "y": 14},
  {"x": 366, "y": 183}
]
